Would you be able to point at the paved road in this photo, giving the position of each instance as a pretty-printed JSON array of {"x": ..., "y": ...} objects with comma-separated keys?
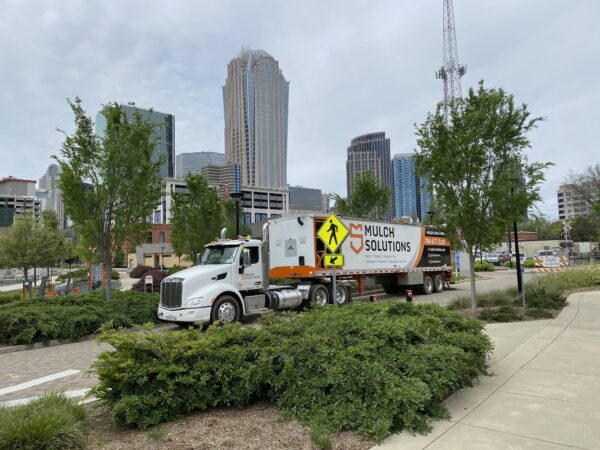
[{"x": 22, "y": 374}]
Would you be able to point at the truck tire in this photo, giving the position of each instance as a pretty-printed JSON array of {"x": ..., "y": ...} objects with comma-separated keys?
[
  {"x": 427, "y": 285},
  {"x": 438, "y": 283},
  {"x": 226, "y": 310},
  {"x": 343, "y": 296},
  {"x": 319, "y": 295}
]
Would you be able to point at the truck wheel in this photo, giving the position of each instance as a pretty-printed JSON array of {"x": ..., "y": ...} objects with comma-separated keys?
[
  {"x": 427, "y": 285},
  {"x": 438, "y": 283},
  {"x": 342, "y": 295},
  {"x": 226, "y": 310},
  {"x": 319, "y": 295}
]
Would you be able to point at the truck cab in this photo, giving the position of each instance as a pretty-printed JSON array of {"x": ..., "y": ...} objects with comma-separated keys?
[{"x": 229, "y": 270}]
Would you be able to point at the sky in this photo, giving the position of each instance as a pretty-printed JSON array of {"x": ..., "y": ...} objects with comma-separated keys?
[{"x": 354, "y": 67}]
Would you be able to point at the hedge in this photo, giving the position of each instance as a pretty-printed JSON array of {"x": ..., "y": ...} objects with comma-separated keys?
[
  {"x": 11, "y": 297},
  {"x": 72, "y": 317},
  {"x": 157, "y": 277},
  {"x": 139, "y": 271},
  {"x": 375, "y": 368},
  {"x": 82, "y": 275}
]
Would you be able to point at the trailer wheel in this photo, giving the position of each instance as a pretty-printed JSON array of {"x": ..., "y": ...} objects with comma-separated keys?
[
  {"x": 438, "y": 283},
  {"x": 343, "y": 295},
  {"x": 319, "y": 295},
  {"x": 226, "y": 310},
  {"x": 427, "y": 285}
]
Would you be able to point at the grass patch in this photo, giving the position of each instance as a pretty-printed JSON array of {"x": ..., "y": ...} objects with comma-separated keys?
[
  {"x": 544, "y": 296},
  {"x": 50, "y": 422},
  {"x": 157, "y": 434},
  {"x": 376, "y": 368},
  {"x": 73, "y": 316}
]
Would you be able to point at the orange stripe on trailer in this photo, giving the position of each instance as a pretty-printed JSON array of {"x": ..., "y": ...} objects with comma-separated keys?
[{"x": 292, "y": 272}]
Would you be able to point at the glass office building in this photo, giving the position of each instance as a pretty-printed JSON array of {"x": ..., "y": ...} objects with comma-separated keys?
[
  {"x": 411, "y": 198},
  {"x": 255, "y": 102},
  {"x": 370, "y": 153},
  {"x": 164, "y": 134},
  {"x": 194, "y": 162}
]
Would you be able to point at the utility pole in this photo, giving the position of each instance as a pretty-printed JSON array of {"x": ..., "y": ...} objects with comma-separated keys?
[{"x": 451, "y": 71}]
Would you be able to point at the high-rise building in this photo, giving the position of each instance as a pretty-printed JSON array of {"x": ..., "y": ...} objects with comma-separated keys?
[
  {"x": 370, "y": 153},
  {"x": 411, "y": 198},
  {"x": 571, "y": 203},
  {"x": 305, "y": 200},
  {"x": 164, "y": 134},
  {"x": 255, "y": 100},
  {"x": 53, "y": 198},
  {"x": 194, "y": 162},
  {"x": 17, "y": 198}
]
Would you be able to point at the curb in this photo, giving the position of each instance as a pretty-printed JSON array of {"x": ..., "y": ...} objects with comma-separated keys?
[{"x": 51, "y": 343}]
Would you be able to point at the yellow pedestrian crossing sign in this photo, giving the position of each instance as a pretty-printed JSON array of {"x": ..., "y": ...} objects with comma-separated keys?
[
  {"x": 336, "y": 260},
  {"x": 333, "y": 232}
]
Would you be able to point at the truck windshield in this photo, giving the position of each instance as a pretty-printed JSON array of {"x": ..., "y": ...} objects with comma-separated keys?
[{"x": 219, "y": 255}]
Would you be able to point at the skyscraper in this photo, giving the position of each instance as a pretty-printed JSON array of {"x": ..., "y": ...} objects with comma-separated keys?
[
  {"x": 370, "y": 153},
  {"x": 411, "y": 198},
  {"x": 255, "y": 101},
  {"x": 194, "y": 162},
  {"x": 54, "y": 197},
  {"x": 164, "y": 134}
]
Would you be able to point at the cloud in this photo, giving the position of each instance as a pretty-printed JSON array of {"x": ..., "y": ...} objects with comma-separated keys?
[{"x": 354, "y": 67}]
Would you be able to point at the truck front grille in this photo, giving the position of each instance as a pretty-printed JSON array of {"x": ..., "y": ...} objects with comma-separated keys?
[{"x": 170, "y": 293}]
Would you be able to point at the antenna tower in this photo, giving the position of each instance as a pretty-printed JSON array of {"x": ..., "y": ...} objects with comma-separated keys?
[{"x": 451, "y": 70}]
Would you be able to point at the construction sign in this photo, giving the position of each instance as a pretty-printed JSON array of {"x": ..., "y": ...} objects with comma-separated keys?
[
  {"x": 333, "y": 233},
  {"x": 333, "y": 260}
]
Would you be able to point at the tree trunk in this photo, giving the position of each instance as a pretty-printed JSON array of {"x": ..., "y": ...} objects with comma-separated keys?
[{"x": 473, "y": 291}]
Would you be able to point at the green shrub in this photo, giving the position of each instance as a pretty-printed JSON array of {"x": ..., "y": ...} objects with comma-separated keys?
[
  {"x": 529, "y": 264},
  {"x": 539, "y": 313},
  {"x": 73, "y": 317},
  {"x": 483, "y": 266},
  {"x": 50, "y": 422},
  {"x": 82, "y": 275},
  {"x": 157, "y": 277},
  {"x": 11, "y": 297},
  {"x": 506, "y": 313},
  {"x": 374, "y": 368}
]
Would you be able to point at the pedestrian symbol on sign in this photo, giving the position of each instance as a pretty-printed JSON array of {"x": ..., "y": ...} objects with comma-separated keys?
[{"x": 333, "y": 232}]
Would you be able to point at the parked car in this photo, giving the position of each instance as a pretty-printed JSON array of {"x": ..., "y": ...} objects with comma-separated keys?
[{"x": 497, "y": 259}]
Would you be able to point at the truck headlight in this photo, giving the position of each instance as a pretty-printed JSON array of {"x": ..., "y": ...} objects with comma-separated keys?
[{"x": 194, "y": 301}]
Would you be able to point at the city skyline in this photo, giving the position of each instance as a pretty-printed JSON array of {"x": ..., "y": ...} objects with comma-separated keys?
[{"x": 344, "y": 83}]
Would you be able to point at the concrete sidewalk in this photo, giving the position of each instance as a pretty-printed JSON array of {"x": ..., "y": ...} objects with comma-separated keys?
[{"x": 544, "y": 392}]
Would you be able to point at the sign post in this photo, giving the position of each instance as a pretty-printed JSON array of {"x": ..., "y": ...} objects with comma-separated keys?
[{"x": 333, "y": 232}]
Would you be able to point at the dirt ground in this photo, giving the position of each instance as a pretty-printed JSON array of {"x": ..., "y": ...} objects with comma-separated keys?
[{"x": 259, "y": 426}]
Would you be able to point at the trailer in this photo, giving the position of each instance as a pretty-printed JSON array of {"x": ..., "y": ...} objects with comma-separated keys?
[{"x": 232, "y": 279}]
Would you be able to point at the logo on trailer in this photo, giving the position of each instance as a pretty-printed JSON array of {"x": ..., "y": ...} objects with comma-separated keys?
[
  {"x": 333, "y": 233},
  {"x": 360, "y": 237}
]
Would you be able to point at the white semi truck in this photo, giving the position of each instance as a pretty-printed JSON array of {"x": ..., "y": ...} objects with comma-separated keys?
[{"x": 232, "y": 279}]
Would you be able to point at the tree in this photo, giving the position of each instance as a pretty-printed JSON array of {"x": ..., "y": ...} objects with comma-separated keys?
[
  {"x": 51, "y": 246},
  {"x": 197, "y": 217},
  {"x": 585, "y": 228},
  {"x": 110, "y": 184},
  {"x": 478, "y": 172},
  {"x": 369, "y": 200},
  {"x": 229, "y": 217},
  {"x": 20, "y": 245},
  {"x": 586, "y": 183}
]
